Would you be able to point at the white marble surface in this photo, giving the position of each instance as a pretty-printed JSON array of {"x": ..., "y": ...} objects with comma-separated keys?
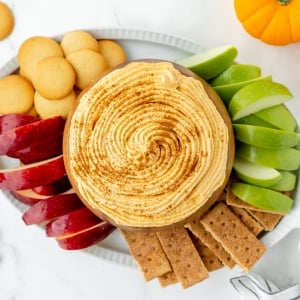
[{"x": 33, "y": 267}]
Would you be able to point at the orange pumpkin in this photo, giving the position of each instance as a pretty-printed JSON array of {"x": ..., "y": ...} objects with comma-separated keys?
[{"x": 276, "y": 22}]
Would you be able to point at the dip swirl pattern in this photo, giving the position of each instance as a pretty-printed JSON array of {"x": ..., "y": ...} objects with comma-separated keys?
[{"x": 147, "y": 146}]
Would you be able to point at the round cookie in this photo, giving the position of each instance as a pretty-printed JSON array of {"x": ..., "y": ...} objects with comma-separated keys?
[
  {"x": 33, "y": 50},
  {"x": 88, "y": 66},
  {"x": 16, "y": 94},
  {"x": 112, "y": 52},
  {"x": 6, "y": 21},
  {"x": 49, "y": 108},
  {"x": 78, "y": 40},
  {"x": 54, "y": 77}
]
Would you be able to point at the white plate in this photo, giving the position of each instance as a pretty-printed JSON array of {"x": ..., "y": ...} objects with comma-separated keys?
[{"x": 145, "y": 44}]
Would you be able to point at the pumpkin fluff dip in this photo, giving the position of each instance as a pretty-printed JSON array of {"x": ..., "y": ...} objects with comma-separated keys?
[{"x": 149, "y": 145}]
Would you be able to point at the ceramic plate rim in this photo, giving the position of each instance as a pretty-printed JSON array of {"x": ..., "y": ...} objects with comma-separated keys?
[{"x": 287, "y": 223}]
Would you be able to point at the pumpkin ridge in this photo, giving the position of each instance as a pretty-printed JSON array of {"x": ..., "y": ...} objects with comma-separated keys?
[
  {"x": 271, "y": 31},
  {"x": 251, "y": 9},
  {"x": 254, "y": 25},
  {"x": 294, "y": 20}
]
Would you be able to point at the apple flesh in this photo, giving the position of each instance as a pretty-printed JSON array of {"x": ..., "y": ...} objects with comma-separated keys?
[
  {"x": 257, "y": 96},
  {"x": 28, "y": 196},
  {"x": 266, "y": 137},
  {"x": 255, "y": 174},
  {"x": 254, "y": 120},
  {"x": 23, "y": 136},
  {"x": 226, "y": 92},
  {"x": 281, "y": 159},
  {"x": 86, "y": 238},
  {"x": 286, "y": 183},
  {"x": 210, "y": 63},
  {"x": 32, "y": 175},
  {"x": 236, "y": 73},
  {"x": 56, "y": 187},
  {"x": 263, "y": 198},
  {"x": 11, "y": 121},
  {"x": 72, "y": 223},
  {"x": 51, "y": 208}
]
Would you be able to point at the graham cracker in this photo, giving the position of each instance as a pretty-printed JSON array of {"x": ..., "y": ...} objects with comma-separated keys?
[
  {"x": 209, "y": 259},
  {"x": 207, "y": 239},
  {"x": 167, "y": 279},
  {"x": 266, "y": 219},
  {"x": 235, "y": 237},
  {"x": 183, "y": 256},
  {"x": 254, "y": 226},
  {"x": 148, "y": 253}
]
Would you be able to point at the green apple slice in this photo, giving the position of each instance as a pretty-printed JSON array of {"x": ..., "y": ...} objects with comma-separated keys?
[
  {"x": 282, "y": 159},
  {"x": 210, "y": 63},
  {"x": 279, "y": 116},
  {"x": 263, "y": 198},
  {"x": 257, "y": 96},
  {"x": 255, "y": 174},
  {"x": 286, "y": 183},
  {"x": 227, "y": 91},
  {"x": 236, "y": 73},
  {"x": 265, "y": 137},
  {"x": 254, "y": 120}
]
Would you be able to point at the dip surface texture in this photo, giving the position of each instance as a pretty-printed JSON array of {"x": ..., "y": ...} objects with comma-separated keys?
[{"x": 146, "y": 146}]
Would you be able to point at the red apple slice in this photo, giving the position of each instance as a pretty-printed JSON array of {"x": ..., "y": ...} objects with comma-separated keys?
[
  {"x": 86, "y": 238},
  {"x": 51, "y": 208},
  {"x": 72, "y": 223},
  {"x": 53, "y": 188},
  {"x": 28, "y": 196},
  {"x": 29, "y": 176},
  {"x": 39, "y": 151},
  {"x": 26, "y": 135},
  {"x": 11, "y": 121}
]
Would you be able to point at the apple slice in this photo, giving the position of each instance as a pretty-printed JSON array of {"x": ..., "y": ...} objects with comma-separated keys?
[
  {"x": 47, "y": 148},
  {"x": 86, "y": 238},
  {"x": 254, "y": 120},
  {"x": 210, "y": 63},
  {"x": 71, "y": 223},
  {"x": 257, "y": 96},
  {"x": 263, "y": 198},
  {"x": 255, "y": 174},
  {"x": 53, "y": 188},
  {"x": 281, "y": 159},
  {"x": 266, "y": 137},
  {"x": 11, "y": 121},
  {"x": 26, "y": 135},
  {"x": 29, "y": 176},
  {"x": 236, "y": 73},
  {"x": 28, "y": 196},
  {"x": 279, "y": 116},
  {"x": 286, "y": 183},
  {"x": 226, "y": 92},
  {"x": 51, "y": 208}
]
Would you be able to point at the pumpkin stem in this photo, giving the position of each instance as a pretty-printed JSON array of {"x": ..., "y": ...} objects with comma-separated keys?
[{"x": 283, "y": 2}]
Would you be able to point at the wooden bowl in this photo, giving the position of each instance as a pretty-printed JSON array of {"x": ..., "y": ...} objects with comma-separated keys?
[{"x": 218, "y": 103}]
